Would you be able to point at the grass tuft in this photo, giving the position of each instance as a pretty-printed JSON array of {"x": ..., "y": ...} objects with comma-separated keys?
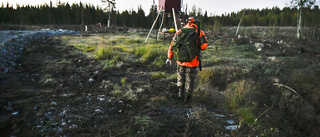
[{"x": 158, "y": 75}]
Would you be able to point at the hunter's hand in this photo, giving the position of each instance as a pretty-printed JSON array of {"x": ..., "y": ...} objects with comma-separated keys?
[{"x": 169, "y": 62}]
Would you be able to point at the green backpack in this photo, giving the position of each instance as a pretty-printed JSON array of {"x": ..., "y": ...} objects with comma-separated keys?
[{"x": 185, "y": 48}]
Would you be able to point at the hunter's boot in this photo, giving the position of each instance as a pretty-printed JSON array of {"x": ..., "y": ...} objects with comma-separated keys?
[{"x": 187, "y": 98}]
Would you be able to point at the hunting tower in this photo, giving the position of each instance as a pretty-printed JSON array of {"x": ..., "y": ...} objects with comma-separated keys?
[
  {"x": 167, "y": 5},
  {"x": 170, "y": 8}
]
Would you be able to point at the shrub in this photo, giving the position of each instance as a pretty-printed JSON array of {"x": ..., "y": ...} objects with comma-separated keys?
[
  {"x": 243, "y": 97},
  {"x": 125, "y": 48},
  {"x": 150, "y": 52},
  {"x": 240, "y": 94},
  {"x": 107, "y": 53},
  {"x": 124, "y": 80},
  {"x": 110, "y": 63},
  {"x": 103, "y": 54},
  {"x": 140, "y": 51},
  {"x": 247, "y": 114},
  {"x": 85, "y": 48}
]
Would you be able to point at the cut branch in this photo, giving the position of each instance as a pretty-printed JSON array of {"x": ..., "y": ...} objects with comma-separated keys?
[{"x": 281, "y": 85}]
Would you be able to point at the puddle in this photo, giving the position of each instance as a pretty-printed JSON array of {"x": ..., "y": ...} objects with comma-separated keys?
[
  {"x": 230, "y": 121},
  {"x": 232, "y": 127}
]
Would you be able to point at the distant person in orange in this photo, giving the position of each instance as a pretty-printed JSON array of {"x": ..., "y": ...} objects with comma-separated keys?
[{"x": 186, "y": 46}]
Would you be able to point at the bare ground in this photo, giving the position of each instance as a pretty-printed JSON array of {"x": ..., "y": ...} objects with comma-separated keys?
[{"x": 56, "y": 90}]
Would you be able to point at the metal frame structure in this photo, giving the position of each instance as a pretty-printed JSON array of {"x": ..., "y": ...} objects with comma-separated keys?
[{"x": 164, "y": 6}]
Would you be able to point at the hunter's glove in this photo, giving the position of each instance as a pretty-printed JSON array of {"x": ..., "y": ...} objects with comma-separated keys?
[{"x": 168, "y": 62}]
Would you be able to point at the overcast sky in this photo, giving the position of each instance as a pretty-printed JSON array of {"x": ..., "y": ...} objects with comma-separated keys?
[{"x": 214, "y": 7}]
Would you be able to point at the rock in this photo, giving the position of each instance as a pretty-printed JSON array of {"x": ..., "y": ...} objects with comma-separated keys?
[
  {"x": 271, "y": 58},
  {"x": 101, "y": 97},
  {"x": 98, "y": 111},
  {"x": 73, "y": 126},
  {"x": 63, "y": 113},
  {"x": 63, "y": 123},
  {"x": 15, "y": 113},
  {"x": 259, "y": 46},
  {"x": 54, "y": 104},
  {"x": 219, "y": 115},
  {"x": 91, "y": 80}
]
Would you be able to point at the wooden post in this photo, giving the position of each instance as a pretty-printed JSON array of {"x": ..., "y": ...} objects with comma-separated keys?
[
  {"x": 240, "y": 22},
  {"x": 161, "y": 24},
  {"x": 299, "y": 23},
  {"x": 174, "y": 19},
  {"x": 164, "y": 25},
  {"x": 153, "y": 25}
]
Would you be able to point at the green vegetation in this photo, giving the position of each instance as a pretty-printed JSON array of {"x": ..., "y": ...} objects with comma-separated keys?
[
  {"x": 85, "y": 48},
  {"x": 158, "y": 75},
  {"x": 114, "y": 51},
  {"x": 243, "y": 98},
  {"x": 150, "y": 52},
  {"x": 107, "y": 53},
  {"x": 239, "y": 93}
]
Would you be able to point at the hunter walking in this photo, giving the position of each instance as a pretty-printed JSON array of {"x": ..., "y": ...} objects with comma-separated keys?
[{"x": 186, "y": 46}]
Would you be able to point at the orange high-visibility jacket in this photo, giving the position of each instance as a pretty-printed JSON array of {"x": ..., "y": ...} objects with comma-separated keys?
[{"x": 203, "y": 41}]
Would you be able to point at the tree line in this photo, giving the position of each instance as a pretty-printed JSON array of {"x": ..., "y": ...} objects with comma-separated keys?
[{"x": 87, "y": 14}]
